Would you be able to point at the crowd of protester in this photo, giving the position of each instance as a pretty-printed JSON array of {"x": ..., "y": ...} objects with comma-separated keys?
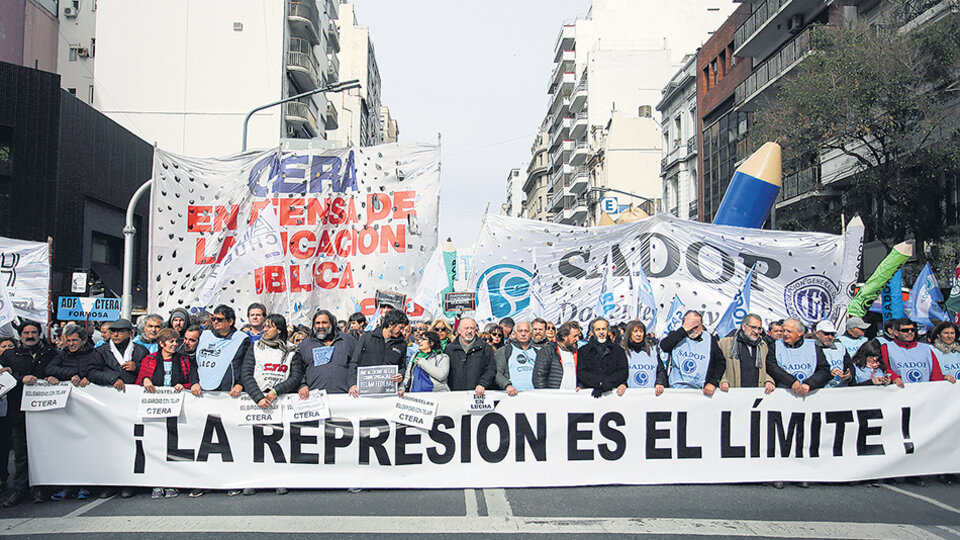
[{"x": 440, "y": 355}]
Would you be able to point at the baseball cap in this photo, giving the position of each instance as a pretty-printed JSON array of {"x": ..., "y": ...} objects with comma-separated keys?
[
  {"x": 857, "y": 322},
  {"x": 826, "y": 327}
]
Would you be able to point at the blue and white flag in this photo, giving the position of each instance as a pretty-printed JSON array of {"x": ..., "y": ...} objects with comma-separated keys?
[
  {"x": 645, "y": 297},
  {"x": 891, "y": 297},
  {"x": 740, "y": 306},
  {"x": 374, "y": 322},
  {"x": 606, "y": 301},
  {"x": 536, "y": 295},
  {"x": 675, "y": 317},
  {"x": 924, "y": 297}
]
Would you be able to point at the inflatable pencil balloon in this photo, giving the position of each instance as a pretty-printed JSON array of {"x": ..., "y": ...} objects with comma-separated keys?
[
  {"x": 752, "y": 190},
  {"x": 888, "y": 267}
]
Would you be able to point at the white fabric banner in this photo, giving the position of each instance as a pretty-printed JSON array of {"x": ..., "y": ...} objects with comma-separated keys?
[
  {"x": 25, "y": 271},
  {"x": 352, "y": 221},
  {"x": 538, "y": 438},
  {"x": 797, "y": 273}
]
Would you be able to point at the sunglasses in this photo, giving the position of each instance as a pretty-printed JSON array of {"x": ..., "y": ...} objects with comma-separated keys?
[
  {"x": 218, "y": 318},
  {"x": 907, "y": 330}
]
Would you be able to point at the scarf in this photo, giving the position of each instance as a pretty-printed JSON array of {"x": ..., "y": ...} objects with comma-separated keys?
[
  {"x": 127, "y": 355},
  {"x": 743, "y": 342},
  {"x": 276, "y": 344},
  {"x": 637, "y": 347},
  {"x": 943, "y": 347}
]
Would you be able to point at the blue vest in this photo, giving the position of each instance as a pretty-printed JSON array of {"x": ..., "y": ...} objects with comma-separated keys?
[
  {"x": 835, "y": 359},
  {"x": 151, "y": 347},
  {"x": 949, "y": 363},
  {"x": 643, "y": 368},
  {"x": 852, "y": 345},
  {"x": 913, "y": 365},
  {"x": 689, "y": 361},
  {"x": 864, "y": 374},
  {"x": 521, "y": 366},
  {"x": 800, "y": 362},
  {"x": 214, "y": 357}
]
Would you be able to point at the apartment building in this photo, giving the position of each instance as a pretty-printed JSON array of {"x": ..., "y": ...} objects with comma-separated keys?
[{"x": 681, "y": 145}]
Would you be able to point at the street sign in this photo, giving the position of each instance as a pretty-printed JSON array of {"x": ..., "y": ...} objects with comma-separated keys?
[
  {"x": 78, "y": 284},
  {"x": 609, "y": 205},
  {"x": 72, "y": 308}
]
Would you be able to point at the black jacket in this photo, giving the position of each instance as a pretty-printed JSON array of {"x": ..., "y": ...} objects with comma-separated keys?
[
  {"x": 323, "y": 373},
  {"x": 286, "y": 386},
  {"x": 68, "y": 364},
  {"x": 473, "y": 367},
  {"x": 548, "y": 370},
  {"x": 373, "y": 350},
  {"x": 716, "y": 367},
  {"x": 821, "y": 374},
  {"x": 601, "y": 365},
  {"x": 25, "y": 361},
  {"x": 106, "y": 370}
]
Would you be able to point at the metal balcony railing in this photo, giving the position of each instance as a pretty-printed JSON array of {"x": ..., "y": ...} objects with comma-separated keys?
[
  {"x": 303, "y": 15},
  {"x": 774, "y": 67},
  {"x": 763, "y": 12}
]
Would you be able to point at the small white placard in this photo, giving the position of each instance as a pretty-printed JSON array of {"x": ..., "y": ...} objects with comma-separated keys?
[
  {"x": 376, "y": 380},
  {"x": 163, "y": 403},
  {"x": 315, "y": 407},
  {"x": 43, "y": 396},
  {"x": 251, "y": 414},
  {"x": 479, "y": 404},
  {"x": 7, "y": 382},
  {"x": 415, "y": 410}
]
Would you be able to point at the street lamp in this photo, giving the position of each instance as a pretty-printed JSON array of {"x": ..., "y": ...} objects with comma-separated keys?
[{"x": 335, "y": 87}]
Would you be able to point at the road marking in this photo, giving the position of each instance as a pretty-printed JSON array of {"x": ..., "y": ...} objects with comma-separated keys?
[
  {"x": 462, "y": 525},
  {"x": 470, "y": 498},
  {"x": 87, "y": 507},
  {"x": 497, "y": 503},
  {"x": 950, "y": 530},
  {"x": 922, "y": 498}
]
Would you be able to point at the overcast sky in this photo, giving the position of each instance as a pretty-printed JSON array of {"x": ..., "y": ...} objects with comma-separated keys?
[{"x": 477, "y": 73}]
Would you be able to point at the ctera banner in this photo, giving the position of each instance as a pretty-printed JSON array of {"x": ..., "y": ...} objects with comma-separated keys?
[
  {"x": 538, "y": 438},
  {"x": 350, "y": 221},
  {"x": 797, "y": 273},
  {"x": 25, "y": 271}
]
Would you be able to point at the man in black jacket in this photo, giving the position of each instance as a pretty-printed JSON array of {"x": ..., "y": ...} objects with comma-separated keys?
[
  {"x": 29, "y": 363},
  {"x": 76, "y": 358},
  {"x": 556, "y": 365},
  {"x": 601, "y": 363},
  {"x": 118, "y": 360},
  {"x": 797, "y": 363},
  {"x": 384, "y": 346},
  {"x": 472, "y": 362},
  {"x": 696, "y": 360}
]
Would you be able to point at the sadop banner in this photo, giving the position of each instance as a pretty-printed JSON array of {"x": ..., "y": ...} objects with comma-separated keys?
[
  {"x": 351, "y": 221},
  {"x": 25, "y": 271},
  {"x": 536, "y": 438},
  {"x": 797, "y": 273}
]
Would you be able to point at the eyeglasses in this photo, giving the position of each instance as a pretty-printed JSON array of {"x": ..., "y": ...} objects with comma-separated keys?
[
  {"x": 754, "y": 327},
  {"x": 831, "y": 334},
  {"x": 907, "y": 330},
  {"x": 218, "y": 318}
]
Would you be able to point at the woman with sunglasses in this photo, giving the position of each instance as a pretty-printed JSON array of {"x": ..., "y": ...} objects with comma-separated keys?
[
  {"x": 551, "y": 332},
  {"x": 443, "y": 330}
]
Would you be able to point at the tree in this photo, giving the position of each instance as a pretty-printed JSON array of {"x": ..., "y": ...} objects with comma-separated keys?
[{"x": 886, "y": 97}]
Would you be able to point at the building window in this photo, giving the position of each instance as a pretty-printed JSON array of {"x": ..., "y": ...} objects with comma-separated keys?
[
  {"x": 723, "y": 64},
  {"x": 73, "y": 91},
  {"x": 90, "y": 95},
  {"x": 706, "y": 78},
  {"x": 106, "y": 249},
  {"x": 73, "y": 54},
  {"x": 713, "y": 69}
]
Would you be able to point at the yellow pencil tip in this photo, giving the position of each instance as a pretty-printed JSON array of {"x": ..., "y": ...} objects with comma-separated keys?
[{"x": 764, "y": 164}]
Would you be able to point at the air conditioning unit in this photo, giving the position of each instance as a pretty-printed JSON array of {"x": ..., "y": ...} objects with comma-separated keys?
[
  {"x": 70, "y": 12},
  {"x": 83, "y": 52},
  {"x": 795, "y": 23}
]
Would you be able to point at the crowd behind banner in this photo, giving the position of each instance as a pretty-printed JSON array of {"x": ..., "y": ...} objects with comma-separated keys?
[{"x": 266, "y": 358}]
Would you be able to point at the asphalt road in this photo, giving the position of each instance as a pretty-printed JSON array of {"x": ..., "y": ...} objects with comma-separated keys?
[{"x": 721, "y": 511}]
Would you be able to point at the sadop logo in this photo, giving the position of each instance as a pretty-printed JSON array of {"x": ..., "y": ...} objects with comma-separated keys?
[
  {"x": 914, "y": 376},
  {"x": 641, "y": 377},
  {"x": 799, "y": 375},
  {"x": 509, "y": 287},
  {"x": 689, "y": 366},
  {"x": 810, "y": 298}
]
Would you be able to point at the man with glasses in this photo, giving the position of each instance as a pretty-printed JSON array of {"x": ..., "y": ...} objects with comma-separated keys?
[
  {"x": 908, "y": 361},
  {"x": 841, "y": 367},
  {"x": 746, "y": 353},
  {"x": 220, "y": 353},
  {"x": 515, "y": 361}
]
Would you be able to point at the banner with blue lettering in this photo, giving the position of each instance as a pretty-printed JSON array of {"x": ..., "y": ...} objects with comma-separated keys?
[
  {"x": 351, "y": 221},
  {"x": 797, "y": 273},
  {"x": 533, "y": 439}
]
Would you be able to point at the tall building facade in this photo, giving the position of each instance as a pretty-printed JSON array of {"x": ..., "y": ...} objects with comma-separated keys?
[
  {"x": 536, "y": 188},
  {"x": 389, "y": 129},
  {"x": 77, "y": 50},
  {"x": 679, "y": 121},
  {"x": 360, "y": 117},
  {"x": 186, "y": 76},
  {"x": 29, "y": 31},
  {"x": 513, "y": 207}
]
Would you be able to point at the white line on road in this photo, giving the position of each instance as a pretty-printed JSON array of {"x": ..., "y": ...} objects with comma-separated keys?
[
  {"x": 87, "y": 507},
  {"x": 459, "y": 525},
  {"x": 952, "y": 531},
  {"x": 497, "y": 503},
  {"x": 922, "y": 498},
  {"x": 470, "y": 498}
]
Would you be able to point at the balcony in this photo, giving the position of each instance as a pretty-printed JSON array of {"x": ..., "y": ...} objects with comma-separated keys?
[
  {"x": 692, "y": 146},
  {"x": 693, "y": 210},
  {"x": 676, "y": 153},
  {"x": 559, "y": 198},
  {"x": 580, "y": 154},
  {"x": 331, "y": 121},
  {"x": 579, "y": 94},
  {"x": 560, "y": 133},
  {"x": 563, "y": 85},
  {"x": 577, "y": 214},
  {"x": 800, "y": 183},
  {"x": 559, "y": 175},
  {"x": 565, "y": 40},
  {"x": 303, "y": 21},
  {"x": 566, "y": 148},
  {"x": 302, "y": 65},
  {"x": 580, "y": 180},
  {"x": 762, "y": 31},
  {"x": 333, "y": 68},
  {"x": 301, "y": 113},
  {"x": 559, "y": 109},
  {"x": 764, "y": 77},
  {"x": 332, "y": 8},
  {"x": 333, "y": 37},
  {"x": 565, "y": 65},
  {"x": 580, "y": 124}
]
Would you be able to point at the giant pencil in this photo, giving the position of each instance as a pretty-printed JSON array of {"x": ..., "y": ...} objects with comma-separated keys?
[{"x": 752, "y": 190}]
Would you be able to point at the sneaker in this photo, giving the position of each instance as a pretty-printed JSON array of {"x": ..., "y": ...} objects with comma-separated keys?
[
  {"x": 196, "y": 493},
  {"x": 83, "y": 493},
  {"x": 157, "y": 493},
  {"x": 234, "y": 492},
  {"x": 804, "y": 485},
  {"x": 354, "y": 490},
  {"x": 107, "y": 493},
  {"x": 14, "y": 499},
  {"x": 282, "y": 491},
  {"x": 777, "y": 484},
  {"x": 249, "y": 491},
  {"x": 170, "y": 493},
  {"x": 60, "y": 495},
  {"x": 38, "y": 496},
  {"x": 127, "y": 492}
]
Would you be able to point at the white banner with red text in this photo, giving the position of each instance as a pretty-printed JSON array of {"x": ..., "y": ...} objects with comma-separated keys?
[
  {"x": 538, "y": 438},
  {"x": 351, "y": 221}
]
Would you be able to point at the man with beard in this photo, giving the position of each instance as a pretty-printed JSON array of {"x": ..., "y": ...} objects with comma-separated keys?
[
  {"x": 556, "y": 365},
  {"x": 515, "y": 361},
  {"x": 841, "y": 367},
  {"x": 29, "y": 363},
  {"x": 382, "y": 346},
  {"x": 191, "y": 339},
  {"x": 119, "y": 359},
  {"x": 538, "y": 333},
  {"x": 472, "y": 365},
  {"x": 179, "y": 320},
  {"x": 746, "y": 353},
  {"x": 220, "y": 353},
  {"x": 326, "y": 355},
  {"x": 601, "y": 363}
]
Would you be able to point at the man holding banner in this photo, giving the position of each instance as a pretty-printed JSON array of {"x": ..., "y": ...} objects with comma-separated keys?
[
  {"x": 797, "y": 363},
  {"x": 695, "y": 358},
  {"x": 515, "y": 361},
  {"x": 746, "y": 353},
  {"x": 326, "y": 356},
  {"x": 220, "y": 353},
  {"x": 905, "y": 358}
]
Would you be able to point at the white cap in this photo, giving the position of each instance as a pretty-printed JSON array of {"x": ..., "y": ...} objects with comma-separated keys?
[{"x": 826, "y": 327}]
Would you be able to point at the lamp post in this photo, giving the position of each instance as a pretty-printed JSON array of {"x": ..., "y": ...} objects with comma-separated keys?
[{"x": 335, "y": 87}]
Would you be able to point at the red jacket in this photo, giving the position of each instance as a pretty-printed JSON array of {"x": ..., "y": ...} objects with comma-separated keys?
[
  {"x": 935, "y": 374},
  {"x": 186, "y": 375}
]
